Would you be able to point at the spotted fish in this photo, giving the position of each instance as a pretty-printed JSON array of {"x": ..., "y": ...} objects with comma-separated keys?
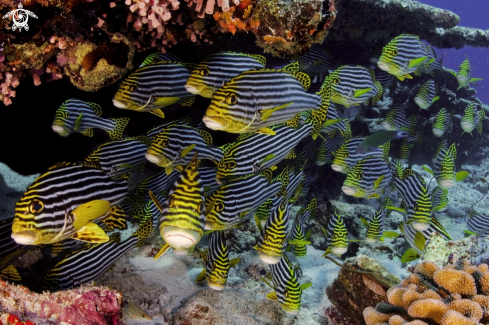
[
  {"x": 76, "y": 116},
  {"x": 154, "y": 86},
  {"x": 367, "y": 178},
  {"x": 464, "y": 75},
  {"x": 118, "y": 158},
  {"x": 441, "y": 123},
  {"x": 353, "y": 85},
  {"x": 445, "y": 167},
  {"x": 298, "y": 238},
  {"x": 64, "y": 203},
  {"x": 211, "y": 73},
  {"x": 217, "y": 263},
  {"x": 396, "y": 120},
  {"x": 426, "y": 95},
  {"x": 403, "y": 55}
]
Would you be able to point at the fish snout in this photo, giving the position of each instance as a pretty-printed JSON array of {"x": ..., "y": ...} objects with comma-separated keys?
[
  {"x": 268, "y": 259},
  {"x": 214, "y": 122},
  {"x": 215, "y": 286},
  {"x": 383, "y": 65},
  {"x": 60, "y": 129},
  {"x": 25, "y": 237},
  {"x": 194, "y": 88},
  {"x": 437, "y": 132},
  {"x": 348, "y": 190},
  {"x": 387, "y": 126},
  {"x": 339, "y": 168},
  {"x": 180, "y": 239}
]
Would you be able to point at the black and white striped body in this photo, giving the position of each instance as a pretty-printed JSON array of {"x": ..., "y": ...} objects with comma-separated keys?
[
  {"x": 287, "y": 289},
  {"x": 157, "y": 129},
  {"x": 396, "y": 120},
  {"x": 316, "y": 61},
  {"x": 478, "y": 224},
  {"x": 217, "y": 264},
  {"x": 44, "y": 214},
  {"x": 367, "y": 178},
  {"x": 208, "y": 177},
  {"x": 347, "y": 156}
]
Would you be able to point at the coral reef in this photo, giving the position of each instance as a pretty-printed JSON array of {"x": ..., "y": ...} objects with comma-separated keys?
[
  {"x": 454, "y": 294},
  {"x": 84, "y": 305},
  {"x": 352, "y": 292}
]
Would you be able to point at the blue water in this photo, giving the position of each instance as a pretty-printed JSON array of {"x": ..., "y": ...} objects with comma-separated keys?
[{"x": 473, "y": 13}]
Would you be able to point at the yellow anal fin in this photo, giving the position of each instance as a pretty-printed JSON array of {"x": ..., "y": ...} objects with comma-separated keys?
[
  {"x": 87, "y": 133},
  {"x": 162, "y": 251},
  {"x": 158, "y": 112},
  {"x": 201, "y": 277},
  {"x": 120, "y": 125},
  {"x": 266, "y": 131},
  {"x": 91, "y": 233},
  {"x": 10, "y": 273},
  {"x": 272, "y": 296},
  {"x": 89, "y": 211}
]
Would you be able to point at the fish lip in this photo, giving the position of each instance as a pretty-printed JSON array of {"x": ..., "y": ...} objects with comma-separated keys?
[
  {"x": 339, "y": 250},
  {"x": 159, "y": 160},
  {"x": 180, "y": 238},
  {"x": 290, "y": 311},
  {"x": 383, "y": 65},
  {"x": 60, "y": 129},
  {"x": 437, "y": 132},
  {"x": 214, "y": 122},
  {"x": 370, "y": 240},
  {"x": 268, "y": 259},
  {"x": 339, "y": 168},
  {"x": 25, "y": 237},
  {"x": 215, "y": 286},
  {"x": 420, "y": 226},
  {"x": 446, "y": 183},
  {"x": 421, "y": 103},
  {"x": 467, "y": 126},
  {"x": 222, "y": 181},
  {"x": 120, "y": 103},
  {"x": 349, "y": 190},
  {"x": 388, "y": 126},
  {"x": 194, "y": 88}
]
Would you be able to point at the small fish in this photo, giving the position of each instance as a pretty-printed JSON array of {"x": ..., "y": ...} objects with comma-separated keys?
[
  {"x": 118, "y": 158},
  {"x": 298, "y": 238},
  {"x": 387, "y": 80},
  {"x": 403, "y": 152},
  {"x": 443, "y": 144},
  {"x": 211, "y": 73},
  {"x": 353, "y": 85},
  {"x": 337, "y": 235},
  {"x": 85, "y": 265},
  {"x": 439, "y": 199},
  {"x": 182, "y": 215},
  {"x": 478, "y": 224},
  {"x": 402, "y": 56},
  {"x": 464, "y": 75},
  {"x": 327, "y": 147},
  {"x": 235, "y": 108},
  {"x": 346, "y": 156},
  {"x": 426, "y": 95},
  {"x": 252, "y": 153},
  {"x": 376, "y": 225},
  {"x": 132, "y": 314},
  {"x": 415, "y": 196},
  {"x": 236, "y": 200},
  {"x": 64, "y": 203},
  {"x": 367, "y": 178},
  {"x": 82, "y": 117},
  {"x": 287, "y": 290},
  {"x": 154, "y": 131},
  {"x": 472, "y": 119},
  {"x": 10, "y": 273},
  {"x": 417, "y": 239},
  {"x": 396, "y": 120},
  {"x": 217, "y": 263},
  {"x": 379, "y": 138},
  {"x": 273, "y": 237},
  {"x": 174, "y": 147},
  {"x": 442, "y": 123},
  {"x": 445, "y": 167},
  {"x": 154, "y": 86},
  {"x": 157, "y": 57},
  {"x": 316, "y": 61}
]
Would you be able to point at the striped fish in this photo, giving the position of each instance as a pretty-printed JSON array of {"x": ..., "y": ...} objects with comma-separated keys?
[
  {"x": 211, "y": 73},
  {"x": 387, "y": 80},
  {"x": 157, "y": 57},
  {"x": 182, "y": 215},
  {"x": 154, "y": 86},
  {"x": 431, "y": 63},
  {"x": 415, "y": 137},
  {"x": 287, "y": 290},
  {"x": 9, "y": 249},
  {"x": 217, "y": 263},
  {"x": 82, "y": 117},
  {"x": 327, "y": 147},
  {"x": 478, "y": 224},
  {"x": 403, "y": 55},
  {"x": 154, "y": 131},
  {"x": 376, "y": 225},
  {"x": 353, "y": 85},
  {"x": 272, "y": 240},
  {"x": 472, "y": 119},
  {"x": 64, "y": 203},
  {"x": 258, "y": 99},
  {"x": 410, "y": 233},
  {"x": 310, "y": 148},
  {"x": 151, "y": 209},
  {"x": 439, "y": 199},
  {"x": 346, "y": 156},
  {"x": 367, "y": 178},
  {"x": 156, "y": 183},
  {"x": 118, "y": 158},
  {"x": 317, "y": 61},
  {"x": 337, "y": 239},
  {"x": 415, "y": 196},
  {"x": 441, "y": 123},
  {"x": 445, "y": 167},
  {"x": 403, "y": 151},
  {"x": 443, "y": 144},
  {"x": 298, "y": 238},
  {"x": 396, "y": 120},
  {"x": 464, "y": 75},
  {"x": 343, "y": 125},
  {"x": 174, "y": 147},
  {"x": 91, "y": 261},
  {"x": 10, "y": 273},
  {"x": 426, "y": 95},
  {"x": 240, "y": 197},
  {"x": 209, "y": 181},
  {"x": 254, "y": 152}
]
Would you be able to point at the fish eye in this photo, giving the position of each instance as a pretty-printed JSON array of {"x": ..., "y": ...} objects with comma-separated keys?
[
  {"x": 36, "y": 206},
  {"x": 204, "y": 71},
  {"x": 67, "y": 115},
  {"x": 336, "y": 81},
  {"x": 394, "y": 52},
  {"x": 360, "y": 176},
  {"x": 54, "y": 285},
  {"x": 231, "y": 165},
  {"x": 219, "y": 206},
  {"x": 132, "y": 87},
  {"x": 231, "y": 99}
]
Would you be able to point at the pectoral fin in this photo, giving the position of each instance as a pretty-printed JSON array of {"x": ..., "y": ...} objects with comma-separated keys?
[
  {"x": 234, "y": 262},
  {"x": 378, "y": 181},
  {"x": 266, "y": 131},
  {"x": 266, "y": 113},
  {"x": 185, "y": 151},
  {"x": 78, "y": 122},
  {"x": 416, "y": 62},
  {"x": 162, "y": 251},
  {"x": 91, "y": 233},
  {"x": 200, "y": 277},
  {"x": 158, "y": 112},
  {"x": 272, "y": 296},
  {"x": 89, "y": 211},
  {"x": 361, "y": 92},
  {"x": 306, "y": 285}
]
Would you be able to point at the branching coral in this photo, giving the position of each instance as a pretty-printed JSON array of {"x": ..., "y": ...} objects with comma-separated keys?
[{"x": 454, "y": 294}]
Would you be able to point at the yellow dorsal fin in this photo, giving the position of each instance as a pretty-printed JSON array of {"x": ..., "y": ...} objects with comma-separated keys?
[{"x": 89, "y": 211}]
